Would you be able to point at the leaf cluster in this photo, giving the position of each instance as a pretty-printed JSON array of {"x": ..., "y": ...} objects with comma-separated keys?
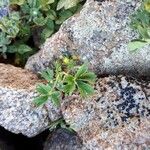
[
  {"x": 28, "y": 16},
  {"x": 140, "y": 21},
  {"x": 65, "y": 79}
]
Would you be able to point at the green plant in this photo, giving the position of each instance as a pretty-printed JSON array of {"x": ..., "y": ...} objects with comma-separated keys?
[
  {"x": 4, "y": 42},
  {"x": 66, "y": 78},
  {"x": 60, "y": 123},
  {"x": 140, "y": 21},
  {"x": 29, "y": 16}
]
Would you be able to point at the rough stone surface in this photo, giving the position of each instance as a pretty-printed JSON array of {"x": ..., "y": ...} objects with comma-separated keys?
[
  {"x": 3, "y": 12},
  {"x": 116, "y": 117},
  {"x": 4, "y": 8},
  {"x": 99, "y": 34},
  {"x": 62, "y": 139},
  {"x": 17, "y": 112}
]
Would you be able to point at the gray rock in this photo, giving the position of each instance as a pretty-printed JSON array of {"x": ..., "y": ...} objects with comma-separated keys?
[
  {"x": 62, "y": 139},
  {"x": 3, "y": 12},
  {"x": 4, "y": 9},
  {"x": 99, "y": 34},
  {"x": 116, "y": 117},
  {"x": 17, "y": 112}
]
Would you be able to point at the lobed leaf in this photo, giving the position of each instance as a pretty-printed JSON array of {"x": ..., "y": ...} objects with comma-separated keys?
[
  {"x": 48, "y": 75},
  {"x": 84, "y": 88},
  {"x": 40, "y": 100}
]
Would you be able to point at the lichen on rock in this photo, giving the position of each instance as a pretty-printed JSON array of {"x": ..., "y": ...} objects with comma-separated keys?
[{"x": 116, "y": 117}]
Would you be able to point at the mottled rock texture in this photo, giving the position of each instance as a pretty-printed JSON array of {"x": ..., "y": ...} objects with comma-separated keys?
[
  {"x": 116, "y": 117},
  {"x": 63, "y": 139},
  {"x": 17, "y": 112},
  {"x": 98, "y": 34},
  {"x": 4, "y": 8}
]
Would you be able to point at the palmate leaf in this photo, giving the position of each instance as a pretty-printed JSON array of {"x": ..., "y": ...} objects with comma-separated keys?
[
  {"x": 69, "y": 88},
  {"x": 55, "y": 98},
  {"x": 40, "y": 100},
  {"x": 84, "y": 88},
  {"x": 43, "y": 89},
  {"x": 82, "y": 70},
  {"x": 48, "y": 75},
  {"x": 89, "y": 77}
]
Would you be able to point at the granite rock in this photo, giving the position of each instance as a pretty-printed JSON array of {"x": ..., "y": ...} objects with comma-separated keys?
[
  {"x": 17, "y": 112},
  {"x": 116, "y": 117},
  {"x": 98, "y": 34}
]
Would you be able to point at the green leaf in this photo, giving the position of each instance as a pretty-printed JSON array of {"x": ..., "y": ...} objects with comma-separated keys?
[
  {"x": 55, "y": 97},
  {"x": 83, "y": 69},
  {"x": 70, "y": 84},
  {"x": 14, "y": 16},
  {"x": 50, "y": 24},
  {"x": 46, "y": 33},
  {"x": 67, "y": 4},
  {"x": 17, "y": 2},
  {"x": 85, "y": 89},
  {"x": 58, "y": 68},
  {"x": 43, "y": 89},
  {"x": 48, "y": 74},
  {"x": 34, "y": 3},
  {"x": 63, "y": 15},
  {"x": 45, "y": 3},
  {"x": 40, "y": 100},
  {"x": 69, "y": 88},
  {"x": 40, "y": 21},
  {"x": 143, "y": 32},
  {"x": 4, "y": 40},
  {"x": 134, "y": 45},
  {"x": 25, "y": 9},
  {"x": 51, "y": 14},
  {"x": 19, "y": 48},
  {"x": 89, "y": 77},
  {"x": 147, "y": 6},
  {"x": 69, "y": 79},
  {"x": 22, "y": 48}
]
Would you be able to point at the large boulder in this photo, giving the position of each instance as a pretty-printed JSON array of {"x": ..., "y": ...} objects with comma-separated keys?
[
  {"x": 116, "y": 117},
  {"x": 17, "y": 112},
  {"x": 98, "y": 34}
]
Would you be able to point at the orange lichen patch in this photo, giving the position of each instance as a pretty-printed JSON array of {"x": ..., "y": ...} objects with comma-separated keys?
[{"x": 13, "y": 77}]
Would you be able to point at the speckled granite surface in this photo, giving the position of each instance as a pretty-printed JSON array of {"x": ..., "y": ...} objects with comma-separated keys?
[
  {"x": 17, "y": 112},
  {"x": 117, "y": 117},
  {"x": 98, "y": 34}
]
